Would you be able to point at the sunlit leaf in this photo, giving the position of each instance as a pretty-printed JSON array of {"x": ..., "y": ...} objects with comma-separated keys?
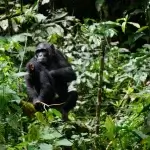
[
  {"x": 123, "y": 27},
  {"x": 40, "y": 117},
  {"x": 45, "y": 2},
  {"x": 20, "y": 37},
  {"x": 146, "y": 46},
  {"x": 142, "y": 135},
  {"x": 111, "y": 23},
  {"x": 12, "y": 120},
  {"x": 142, "y": 29},
  {"x": 110, "y": 126},
  {"x": 6, "y": 90},
  {"x": 49, "y": 116},
  {"x": 110, "y": 32},
  {"x": 64, "y": 142},
  {"x": 61, "y": 15},
  {"x": 134, "y": 24},
  {"x": 89, "y": 84},
  {"x": 120, "y": 19},
  {"x": 4, "y": 24},
  {"x": 40, "y": 17},
  {"x": 55, "y": 112},
  {"x": 45, "y": 146},
  {"x": 123, "y": 50},
  {"x": 34, "y": 132},
  {"x": 49, "y": 133},
  {"x": 21, "y": 74},
  {"x": 55, "y": 30}
]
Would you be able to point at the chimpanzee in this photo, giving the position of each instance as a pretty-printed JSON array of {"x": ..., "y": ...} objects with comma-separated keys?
[
  {"x": 39, "y": 79},
  {"x": 59, "y": 71}
]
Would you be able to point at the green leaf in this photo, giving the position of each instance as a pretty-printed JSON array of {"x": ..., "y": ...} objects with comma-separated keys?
[
  {"x": 6, "y": 90},
  {"x": 126, "y": 18},
  {"x": 49, "y": 134},
  {"x": 134, "y": 24},
  {"x": 45, "y": 146},
  {"x": 40, "y": 17},
  {"x": 123, "y": 50},
  {"x": 3, "y": 146},
  {"x": 20, "y": 37},
  {"x": 34, "y": 132},
  {"x": 110, "y": 126},
  {"x": 20, "y": 74},
  {"x": 57, "y": 134},
  {"x": 123, "y": 26},
  {"x": 55, "y": 112},
  {"x": 45, "y": 2},
  {"x": 49, "y": 116},
  {"x": 110, "y": 32},
  {"x": 40, "y": 117},
  {"x": 111, "y": 23},
  {"x": 121, "y": 19},
  {"x": 64, "y": 142},
  {"x": 142, "y": 29},
  {"x": 140, "y": 134},
  {"x": 4, "y": 24},
  {"x": 57, "y": 29},
  {"x": 13, "y": 121},
  {"x": 146, "y": 46},
  {"x": 22, "y": 145},
  {"x": 61, "y": 15},
  {"x": 89, "y": 84}
]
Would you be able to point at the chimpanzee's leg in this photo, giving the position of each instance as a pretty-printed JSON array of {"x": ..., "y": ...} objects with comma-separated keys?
[
  {"x": 68, "y": 96},
  {"x": 70, "y": 101},
  {"x": 72, "y": 97}
]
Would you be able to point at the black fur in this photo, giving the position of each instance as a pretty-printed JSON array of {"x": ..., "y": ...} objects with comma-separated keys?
[
  {"x": 55, "y": 75},
  {"x": 40, "y": 85}
]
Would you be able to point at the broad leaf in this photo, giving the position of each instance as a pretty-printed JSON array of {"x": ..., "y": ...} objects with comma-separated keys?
[
  {"x": 64, "y": 142},
  {"x": 134, "y": 24},
  {"x": 45, "y": 146},
  {"x": 110, "y": 126},
  {"x": 40, "y": 17},
  {"x": 20, "y": 74}
]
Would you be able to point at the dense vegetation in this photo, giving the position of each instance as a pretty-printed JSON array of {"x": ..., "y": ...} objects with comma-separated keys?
[{"x": 111, "y": 57}]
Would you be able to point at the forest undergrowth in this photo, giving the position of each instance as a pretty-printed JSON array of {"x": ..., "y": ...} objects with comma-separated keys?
[{"x": 125, "y": 101}]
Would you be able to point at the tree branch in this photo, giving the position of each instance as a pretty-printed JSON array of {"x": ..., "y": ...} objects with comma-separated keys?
[{"x": 100, "y": 89}]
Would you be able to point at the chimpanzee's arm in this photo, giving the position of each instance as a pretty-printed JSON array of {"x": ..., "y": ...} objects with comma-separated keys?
[
  {"x": 30, "y": 88},
  {"x": 65, "y": 72},
  {"x": 47, "y": 90}
]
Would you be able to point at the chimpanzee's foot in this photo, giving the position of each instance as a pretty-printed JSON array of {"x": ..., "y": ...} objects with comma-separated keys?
[
  {"x": 38, "y": 105},
  {"x": 64, "y": 115}
]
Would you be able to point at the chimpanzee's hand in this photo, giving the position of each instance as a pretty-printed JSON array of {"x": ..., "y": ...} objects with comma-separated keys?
[
  {"x": 36, "y": 101},
  {"x": 52, "y": 73},
  {"x": 37, "y": 104}
]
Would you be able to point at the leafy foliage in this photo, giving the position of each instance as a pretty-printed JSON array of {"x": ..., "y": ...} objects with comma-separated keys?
[{"x": 124, "y": 119}]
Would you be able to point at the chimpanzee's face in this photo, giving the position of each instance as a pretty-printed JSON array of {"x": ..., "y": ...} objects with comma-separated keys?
[
  {"x": 44, "y": 53},
  {"x": 42, "y": 56}
]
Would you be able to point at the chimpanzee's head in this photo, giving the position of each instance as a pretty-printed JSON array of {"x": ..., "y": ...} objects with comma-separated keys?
[{"x": 44, "y": 53}]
